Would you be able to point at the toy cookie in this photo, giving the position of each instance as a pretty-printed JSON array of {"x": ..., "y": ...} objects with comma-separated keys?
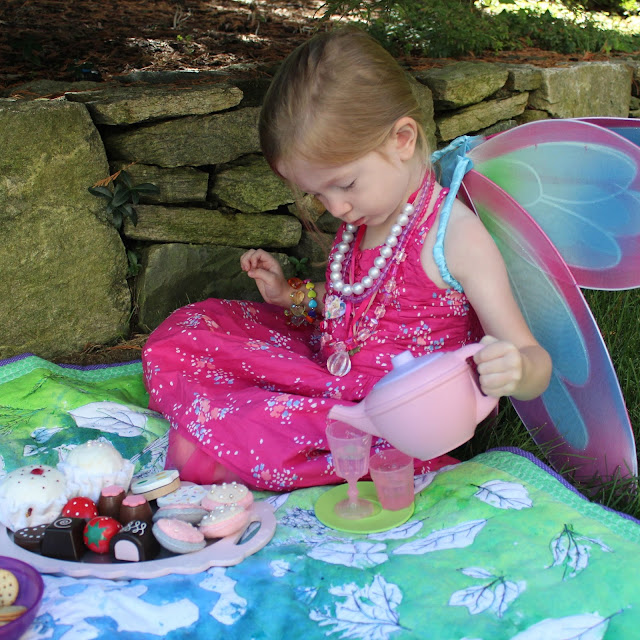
[
  {"x": 157, "y": 484},
  {"x": 188, "y": 512},
  {"x": 186, "y": 494},
  {"x": 227, "y": 493},
  {"x": 9, "y": 588},
  {"x": 178, "y": 536},
  {"x": 224, "y": 520}
]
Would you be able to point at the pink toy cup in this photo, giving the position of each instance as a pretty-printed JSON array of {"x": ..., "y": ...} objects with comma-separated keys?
[{"x": 392, "y": 473}]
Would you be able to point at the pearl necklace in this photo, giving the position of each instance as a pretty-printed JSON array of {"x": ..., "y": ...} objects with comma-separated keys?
[{"x": 358, "y": 291}]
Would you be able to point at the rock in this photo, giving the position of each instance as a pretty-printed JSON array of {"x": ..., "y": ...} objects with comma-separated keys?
[
  {"x": 586, "y": 89},
  {"x": 463, "y": 83},
  {"x": 205, "y": 226},
  {"x": 480, "y": 116},
  {"x": 177, "y": 274},
  {"x": 117, "y": 105},
  {"x": 64, "y": 268},
  {"x": 251, "y": 187},
  {"x": 179, "y": 185},
  {"x": 190, "y": 141}
]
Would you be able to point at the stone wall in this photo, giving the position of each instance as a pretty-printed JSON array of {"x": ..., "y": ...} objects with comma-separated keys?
[{"x": 64, "y": 269}]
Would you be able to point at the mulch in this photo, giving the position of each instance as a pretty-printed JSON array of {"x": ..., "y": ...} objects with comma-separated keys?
[{"x": 99, "y": 39}]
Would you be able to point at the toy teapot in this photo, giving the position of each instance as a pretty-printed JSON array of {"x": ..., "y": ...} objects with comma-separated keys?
[{"x": 426, "y": 406}]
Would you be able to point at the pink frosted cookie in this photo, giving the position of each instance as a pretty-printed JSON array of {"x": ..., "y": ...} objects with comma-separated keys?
[
  {"x": 178, "y": 536},
  {"x": 227, "y": 493},
  {"x": 157, "y": 484},
  {"x": 224, "y": 520}
]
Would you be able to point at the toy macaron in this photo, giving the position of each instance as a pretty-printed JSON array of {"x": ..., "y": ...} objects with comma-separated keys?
[
  {"x": 178, "y": 536},
  {"x": 224, "y": 520},
  {"x": 188, "y": 512},
  {"x": 227, "y": 493},
  {"x": 156, "y": 484}
]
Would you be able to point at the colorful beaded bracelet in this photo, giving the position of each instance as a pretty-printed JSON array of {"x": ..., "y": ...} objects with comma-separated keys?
[{"x": 298, "y": 311}]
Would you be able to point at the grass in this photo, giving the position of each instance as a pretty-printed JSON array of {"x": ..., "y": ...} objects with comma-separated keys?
[{"x": 618, "y": 316}]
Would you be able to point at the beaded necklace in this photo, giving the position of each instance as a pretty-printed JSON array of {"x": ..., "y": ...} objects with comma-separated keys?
[{"x": 339, "y": 361}]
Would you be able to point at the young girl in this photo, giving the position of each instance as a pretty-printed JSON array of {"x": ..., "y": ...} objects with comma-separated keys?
[{"x": 247, "y": 386}]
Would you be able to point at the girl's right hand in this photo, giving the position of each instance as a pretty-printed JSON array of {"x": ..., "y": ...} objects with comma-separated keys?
[{"x": 268, "y": 274}]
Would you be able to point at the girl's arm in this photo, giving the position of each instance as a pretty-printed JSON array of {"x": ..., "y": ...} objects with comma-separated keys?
[
  {"x": 273, "y": 286},
  {"x": 513, "y": 362}
]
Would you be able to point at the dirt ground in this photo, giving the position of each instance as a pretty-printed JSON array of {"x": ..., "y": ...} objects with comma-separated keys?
[{"x": 98, "y": 39}]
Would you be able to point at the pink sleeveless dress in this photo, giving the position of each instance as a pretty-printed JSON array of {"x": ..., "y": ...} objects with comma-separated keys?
[{"x": 252, "y": 392}]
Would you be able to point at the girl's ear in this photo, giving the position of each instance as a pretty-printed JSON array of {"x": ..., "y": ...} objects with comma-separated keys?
[{"x": 405, "y": 137}]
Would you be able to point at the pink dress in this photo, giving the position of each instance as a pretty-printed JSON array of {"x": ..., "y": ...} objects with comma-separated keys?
[{"x": 253, "y": 392}]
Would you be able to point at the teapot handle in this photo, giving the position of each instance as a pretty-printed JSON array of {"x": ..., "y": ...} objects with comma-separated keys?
[{"x": 484, "y": 404}]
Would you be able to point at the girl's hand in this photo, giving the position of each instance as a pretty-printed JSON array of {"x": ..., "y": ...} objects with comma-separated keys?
[
  {"x": 267, "y": 272},
  {"x": 500, "y": 367}
]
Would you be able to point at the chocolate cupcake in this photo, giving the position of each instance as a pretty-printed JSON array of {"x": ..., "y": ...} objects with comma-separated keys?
[
  {"x": 110, "y": 501},
  {"x": 135, "y": 507}
]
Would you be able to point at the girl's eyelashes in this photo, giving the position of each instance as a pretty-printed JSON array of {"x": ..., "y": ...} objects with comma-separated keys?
[{"x": 349, "y": 186}]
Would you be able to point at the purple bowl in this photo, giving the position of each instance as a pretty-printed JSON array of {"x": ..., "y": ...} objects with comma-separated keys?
[{"x": 30, "y": 594}]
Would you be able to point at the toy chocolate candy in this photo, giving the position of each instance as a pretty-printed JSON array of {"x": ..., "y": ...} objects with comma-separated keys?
[
  {"x": 30, "y": 538},
  {"x": 63, "y": 538},
  {"x": 134, "y": 542},
  {"x": 110, "y": 501},
  {"x": 135, "y": 507}
]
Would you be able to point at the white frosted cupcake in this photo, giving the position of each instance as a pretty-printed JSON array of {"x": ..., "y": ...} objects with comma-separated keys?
[
  {"x": 91, "y": 466},
  {"x": 31, "y": 496}
]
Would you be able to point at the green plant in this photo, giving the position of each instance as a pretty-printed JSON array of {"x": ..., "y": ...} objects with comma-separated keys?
[
  {"x": 445, "y": 28},
  {"x": 301, "y": 266},
  {"x": 122, "y": 197}
]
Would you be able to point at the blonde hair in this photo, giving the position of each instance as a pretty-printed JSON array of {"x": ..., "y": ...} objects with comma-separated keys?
[{"x": 335, "y": 99}]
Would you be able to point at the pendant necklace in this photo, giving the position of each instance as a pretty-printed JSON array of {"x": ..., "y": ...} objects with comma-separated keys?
[{"x": 347, "y": 295}]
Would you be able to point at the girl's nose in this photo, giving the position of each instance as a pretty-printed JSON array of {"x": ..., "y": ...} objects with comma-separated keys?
[{"x": 338, "y": 207}]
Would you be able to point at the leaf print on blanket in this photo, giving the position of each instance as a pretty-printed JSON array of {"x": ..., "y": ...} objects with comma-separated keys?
[
  {"x": 495, "y": 595},
  {"x": 504, "y": 495},
  {"x": 357, "y": 553},
  {"x": 112, "y": 417},
  {"x": 458, "y": 537},
  {"x": 588, "y": 626},
  {"x": 572, "y": 550},
  {"x": 368, "y": 613}
]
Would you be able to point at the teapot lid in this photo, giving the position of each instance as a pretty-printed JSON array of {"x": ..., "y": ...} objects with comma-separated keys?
[{"x": 404, "y": 364}]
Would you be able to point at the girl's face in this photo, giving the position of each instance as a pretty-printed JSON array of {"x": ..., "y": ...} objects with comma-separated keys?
[{"x": 371, "y": 190}]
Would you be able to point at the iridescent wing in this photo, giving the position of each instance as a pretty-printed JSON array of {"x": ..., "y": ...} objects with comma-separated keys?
[
  {"x": 626, "y": 127},
  {"x": 580, "y": 182},
  {"x": 580, "y": 421}
]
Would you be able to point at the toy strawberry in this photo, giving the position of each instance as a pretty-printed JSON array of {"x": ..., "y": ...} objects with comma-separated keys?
[{"x": 99, "y": 531}]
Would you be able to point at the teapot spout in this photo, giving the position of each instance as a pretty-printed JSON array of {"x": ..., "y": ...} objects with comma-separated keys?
[{"x": 355, "y": 416}]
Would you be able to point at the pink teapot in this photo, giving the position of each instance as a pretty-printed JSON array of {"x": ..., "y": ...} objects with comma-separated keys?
[{"x": 425, "y": 406}]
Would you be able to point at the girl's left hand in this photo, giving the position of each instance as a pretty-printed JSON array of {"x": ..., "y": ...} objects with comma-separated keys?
[{"x": 500, "y": 367}]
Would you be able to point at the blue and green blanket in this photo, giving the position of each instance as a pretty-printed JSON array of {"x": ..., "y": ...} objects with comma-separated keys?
[{"x": 499, "y": 547}]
